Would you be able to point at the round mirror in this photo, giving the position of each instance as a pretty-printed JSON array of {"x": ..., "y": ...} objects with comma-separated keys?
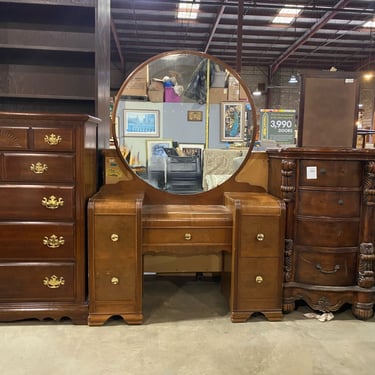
[{"x": 184, "y": 122}]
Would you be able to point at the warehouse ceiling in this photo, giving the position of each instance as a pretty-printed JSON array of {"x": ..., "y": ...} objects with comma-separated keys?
[{"x": 323, "y": 35}]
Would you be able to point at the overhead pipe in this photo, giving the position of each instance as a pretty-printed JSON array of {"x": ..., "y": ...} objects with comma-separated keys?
[{"x": 239, "y": 35}]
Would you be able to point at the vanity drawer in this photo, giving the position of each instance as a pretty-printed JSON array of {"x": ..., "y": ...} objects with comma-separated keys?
[
  {"x": 37, "y": 282},
  {"x": 13, "y": 138},
  {"x": 33, "y": 202},
  {"x": 115, "y": 281},
  {"x": 329, "y": 233},
  {"x": 259, "y": 236},
  {"x": 329, "y": 203},
  {"x": 53, "y": 139},
  {"x": 39, "y": 167},
  {"x": 259, "y": 283},
  {"x": 115, "y": 237},
  {"x": 32, "y": 241},
  {"x": 187, "y": 236},
  {"x": 326, "y": 268},
  {"x": 331, "y": 173}
]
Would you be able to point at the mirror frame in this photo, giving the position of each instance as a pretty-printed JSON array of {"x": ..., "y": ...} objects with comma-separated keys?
[{"x": 144, "y": 184}]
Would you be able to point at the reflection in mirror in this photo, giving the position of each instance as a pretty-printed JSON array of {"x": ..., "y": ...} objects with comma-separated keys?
[{"x": 184, "y": 122}]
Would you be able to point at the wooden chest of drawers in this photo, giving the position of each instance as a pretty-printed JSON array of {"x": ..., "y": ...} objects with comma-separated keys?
[
  {"x": 329, "y": 252},
  {"x": 48, "y": 169}
]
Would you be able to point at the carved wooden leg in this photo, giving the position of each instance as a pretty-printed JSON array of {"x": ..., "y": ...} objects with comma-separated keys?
[{"x": 362, "y": 310}]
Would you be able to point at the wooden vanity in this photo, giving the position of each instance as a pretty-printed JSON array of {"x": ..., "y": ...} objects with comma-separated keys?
[{"x": 245, "y": 227}]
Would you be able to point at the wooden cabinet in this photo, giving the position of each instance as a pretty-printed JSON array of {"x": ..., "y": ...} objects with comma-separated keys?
[
  {"x": 257, "y": 259},
  {"x": 54, "y": 58},
  {"x": 47, "y": 172},
  {"x": 329, "y": 249},
  {"x": 247, "y": 230}
]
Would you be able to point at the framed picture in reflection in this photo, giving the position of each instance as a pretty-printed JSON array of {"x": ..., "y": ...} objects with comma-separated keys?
[
  {"x": 232, "y": 121},
  {"x": 141, "y": 123}
]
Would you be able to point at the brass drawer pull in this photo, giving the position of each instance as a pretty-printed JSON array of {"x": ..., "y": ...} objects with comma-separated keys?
[
  {"x": 52, "y": 202},
  {"x": 115, "y": 280},
  {"x": 323, "y": 171},
  {"x": 320, "y": 269},
  {"x": 53, "y": 282},
  {"x": 114, "y": 237},
  {"x": 187, "y": 236},
  {"x": 259, "y": 279},
  {"x": 52, "y": 139},
  {"x": 340, "y": 202},
  {"x": 38, "y": 168},
  {"x": 53, "y": 241},
  {"x": 260, "y": 236}
]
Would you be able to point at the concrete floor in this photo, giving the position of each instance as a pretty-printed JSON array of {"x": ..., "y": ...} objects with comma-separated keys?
[{"x": 187, "y": 331}]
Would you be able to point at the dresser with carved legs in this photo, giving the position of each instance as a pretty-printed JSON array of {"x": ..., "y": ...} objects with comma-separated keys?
[
  {"x": 330, "y": 226},
  {"x": 47, "y": 173}
]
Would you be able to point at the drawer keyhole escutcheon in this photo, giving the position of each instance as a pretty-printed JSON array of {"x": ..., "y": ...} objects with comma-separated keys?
[
  {"x": 38, "y": 168},
  {"x": 53, "y": 242},
  {"x": 340, "y": 202},
  {"x": 187, "y": 236},
  {"x": 260, "y": 236},
  {"x": 115, "y": 280},
  {"x": 259, "y": 279},
  {"x": 52, "y": 202},
  {"x": 52, "y": 139},
  {"x": 53, "y": 282},
  {"x": 114, "y": 237},
  {"x": 323, "y": 171}
]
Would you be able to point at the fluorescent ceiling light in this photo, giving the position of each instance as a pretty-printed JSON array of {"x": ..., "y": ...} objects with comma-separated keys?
[
  {"x": 257, "y": 92},
  {"x": 188, "y": 10},
  {"x": 287, "y": 14},
  {"x": 369, "y": 24},
  {"x": 293, "y": 79}
]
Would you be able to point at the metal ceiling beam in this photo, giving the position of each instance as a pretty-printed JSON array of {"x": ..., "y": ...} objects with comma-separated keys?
[
  {"x": 118, "y": 45},
  {"x": 329, "y": 15},
  {"x": 213, "y": 30},
  {"x": 239, "y": 35}
]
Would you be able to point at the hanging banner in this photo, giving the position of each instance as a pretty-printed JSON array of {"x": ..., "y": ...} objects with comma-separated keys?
[{"x": 278, "y": 125}]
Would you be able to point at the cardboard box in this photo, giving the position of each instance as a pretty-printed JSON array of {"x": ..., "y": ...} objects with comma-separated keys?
[
  {"x": 137, "y": 86},
  {"x": 218, "y": 95},
  {"x": 233, "y": 89},
  {"x": 219, "y": 80},
  {"x": 156, "y": 92}
]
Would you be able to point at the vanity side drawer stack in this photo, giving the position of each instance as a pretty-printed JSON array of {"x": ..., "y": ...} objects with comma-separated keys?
[
  {"x": 115, "y": 260},
  {"x": 257, "y": 259},
  {"x": 328, "y": 210},
  {"x": 43, "y": 195}
]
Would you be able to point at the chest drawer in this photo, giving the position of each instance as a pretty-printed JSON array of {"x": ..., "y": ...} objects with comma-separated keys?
[
  {"x": 37, "y": 241},
  {"x": 259, "y": 236},
  {"x": 36, "y": 202},
  {"x": 35, "y": 167},
  {"x": 187, "y": 236},
  {"x": 330, "y": 173},
  {"x": 53, "y": 139},
  {"x": 336, "y": 268},
  {"x": 328, "y": 233},
  {"x": 13, "y": 138},
  {"x": 36, "y": 282},
  {"x": 329, "y": 203}
]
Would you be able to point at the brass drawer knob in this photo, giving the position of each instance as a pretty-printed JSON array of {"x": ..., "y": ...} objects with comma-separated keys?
[
  {"x": 187, "y": 236},
  {"x": 38, "y": 168},
  {"x": 52, "y": 202},
  {"x": 53, "y": 242},
  {"x": 53, "y": 282},
  {"x": 259, "y": 279},
  {"x": 115, "y": 280},
  {"x": 52, "y": 139},
  {"x": 260, "y": 236},
  {"x": 114, "y": 237},
  {"x": 340, "y": 202}
]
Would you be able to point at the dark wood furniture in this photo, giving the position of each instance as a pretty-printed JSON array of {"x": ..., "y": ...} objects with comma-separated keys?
[
  {"x": 246, "y": 225},
  {"x": 54, "y": 58},
  {"x": 48, "y": 169},
  {"x": 329, "y": 248}
]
